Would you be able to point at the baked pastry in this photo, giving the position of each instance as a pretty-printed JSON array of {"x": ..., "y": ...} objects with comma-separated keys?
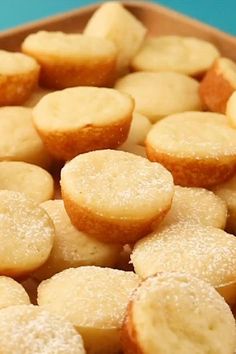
[
  {"x": 197, "y": 147},
  {"x": 218, "y": 84},
  {"x": 82, "y": 119},
  {"x": 73, "y": 248},
  {"x": 139, "y": 128},
  {"x": 69, "y": 60},
  {"x": 36, "y": 96},
  {"x": 35, "y": 182},
  {"x": 18, "y": 77},
  {"x": 12, "y": 293},
  {"x": 114, "y": 22},
  {"x": 157, "y": 95},
  {"x": 178, "y": 313},
  {"x": 114, "y": 195},
  {"x": 227, "y": 192},
  {"x": 204, "y": 251},
  {"x": 199, "y": 205},
  {"x": 186, "y": 55},
  {"x": 94, "y": 299},
  {"x": 19, "y": 139},
  {"x": 26, "y": 237},
  {"x": 231, "y": 109},
  {"x": 28, "y": 329}
]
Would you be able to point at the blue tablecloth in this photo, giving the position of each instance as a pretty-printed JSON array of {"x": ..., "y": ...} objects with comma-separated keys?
[{"x": 219, "y": 13}]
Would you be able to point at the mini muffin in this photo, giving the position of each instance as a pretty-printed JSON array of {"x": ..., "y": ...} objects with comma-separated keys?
[
  {"x": 112, "y": 21},
  {"x": 69, "y": 60},
  {"x": 139, "y": 128},
  {"x": 36, "y": 96},
  {"x": 18, "y": 77},
  {"x": 218, "y": 85},
  {"x": 178, "y": 313},
  {"x": 12, "y": 293},
  {"x": 157, "y": 95},
  {"x": 26, "y": 237},
  {"x": 19, "y": 139},
  {"x": 73, "y": 248},
  {"x": 204, "y": 251},
  {"x": 35, "y": 182},
  {"x": 82, "y": 119},
  {"x": 94, "y": 299},
  {"x": 227, "y": 192},
  {"x": 28, "y": 329},
  {"x": 199, "y": 205},
  {"x": 186, "y": 55},
  {"x": 199, "y": 148},
  {"x": 114, "y": 195}
]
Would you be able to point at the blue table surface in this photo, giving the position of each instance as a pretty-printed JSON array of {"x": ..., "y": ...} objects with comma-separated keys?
[{"x": 218, "y": 13}]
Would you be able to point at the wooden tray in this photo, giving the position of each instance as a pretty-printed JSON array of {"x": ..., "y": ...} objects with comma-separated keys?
[{"x": 157, "y": 19}]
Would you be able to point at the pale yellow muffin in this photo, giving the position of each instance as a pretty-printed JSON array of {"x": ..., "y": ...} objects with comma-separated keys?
[
  {"x": 157, "y": 95},
  {"x": 139, "y": 128},
  {"x": 199, "y": 205},
  {"x": 186, "y": 55},
  {"x": 69, "y": 60},
  {"x": 178, "y": 313},
  {"x": 35, "y": 182},
  {"x": 12, "y": 293},
  {"x": 18, "y": 77},
  {"x": 94, "y": 299},
  {"x": 114, "y": 195},
  {"x": 112, "y": 21},
  {"x": 197, "y": 147},
  {"x": 73, "y": 248},
  {"x": 82, "y": 119},
  {"x": 26, "y": 236},
  {"x": 218, "y": 84},
  {"x": 19, "y": 139},
  {"x": 36, "y": 96},
  {"x": 203, "y": 251},
  {"x": 28, "y": 329},
  {"x": 227, "y": 192}
]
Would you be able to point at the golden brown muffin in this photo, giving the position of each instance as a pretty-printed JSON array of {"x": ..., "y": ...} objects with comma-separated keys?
[
  {"x": 35, "y": 182},
  {"x": 28, "y": 329},
  {"x": 19, "y": 139},
  {"x": 218, "y": 84},
  {"x": 185, "y": 55},
  {"x": 27, "y": 234},
  {"x": 114, "y": 195},
  {"x": 18, "y": 77},
  {"x": 94, "y": 299},
  {"x": 203, "y": 251},
  {"x": 12, "y": 293},
  {"x": 157, "y": 95},
  {"x": 197, "y": 147},
  {"x": 199, "y": 205},
  {"x": 178, "y": 313},
  {"x": 71, "y": 247},
  {"x": 69, "y": 60},
  {"x": 82, "y": 119},
  {"x": 112, "y": 21}
]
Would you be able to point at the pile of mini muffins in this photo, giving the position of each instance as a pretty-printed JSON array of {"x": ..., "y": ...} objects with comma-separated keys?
[{"x": 117, "y": 180}]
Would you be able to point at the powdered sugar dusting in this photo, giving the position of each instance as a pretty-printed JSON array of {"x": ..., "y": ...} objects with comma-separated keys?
[
  {"x": 205, "y": 252},
  {"x": 28, "y": 329},
  {"x": 118, "y": 184},
  {"x": 89, "y": 296}
]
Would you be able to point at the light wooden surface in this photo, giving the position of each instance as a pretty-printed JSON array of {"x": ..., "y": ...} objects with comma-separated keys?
[{"x": 156, "y": 18}]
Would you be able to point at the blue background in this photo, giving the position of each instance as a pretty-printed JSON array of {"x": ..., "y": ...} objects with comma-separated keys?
[{"x": 219, "y": 13}]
